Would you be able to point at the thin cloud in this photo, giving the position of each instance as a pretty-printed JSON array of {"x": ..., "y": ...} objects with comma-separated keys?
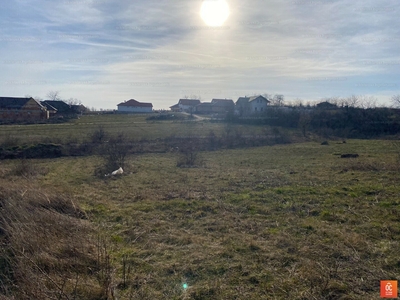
[{"x": 160, "y": 50}]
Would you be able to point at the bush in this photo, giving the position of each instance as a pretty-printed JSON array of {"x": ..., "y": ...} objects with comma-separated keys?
[
  {"x": 40, "y": 150},
  {"x": 189, "y": 154},
  {"x": 98, "y": 136},
  {"x": 43, "y": 151},
  {"x": 114, "y": 153}
]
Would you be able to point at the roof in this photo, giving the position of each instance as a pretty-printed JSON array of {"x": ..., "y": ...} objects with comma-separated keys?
[
  {"x": 205, "y": 104},
  {"x": 223, "y": 102},
  {"x": 256, "y": 97},
  {"x": 174, "y": 106},
  {"x": 59, "y": 105},
  {"x": 15, "y": 103},
  {"x": 242, "y": 100},
  {"x": 134, "y": 103},
  {"x": 48, "y": 106},
  {"x": 191, "y": 102}
]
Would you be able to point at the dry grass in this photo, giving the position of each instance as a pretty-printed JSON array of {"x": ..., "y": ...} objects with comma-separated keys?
[
  {"x": 47, "y": 251},
  {"x": 282, "y": 222}
]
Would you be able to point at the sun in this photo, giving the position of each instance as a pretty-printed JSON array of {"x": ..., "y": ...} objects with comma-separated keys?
[{"x": 214, "y": 12}]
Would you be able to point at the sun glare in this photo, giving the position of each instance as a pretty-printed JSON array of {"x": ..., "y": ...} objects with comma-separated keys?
[{"x": 214, "y": 12}]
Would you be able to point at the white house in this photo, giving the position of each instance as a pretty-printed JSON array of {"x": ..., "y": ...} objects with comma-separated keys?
[
  {"x": 251, "y": 105},
  {"x": 258, "y": 104},
  {"x": 186, "y": 105},
  {"x": 133, "y": 106}
]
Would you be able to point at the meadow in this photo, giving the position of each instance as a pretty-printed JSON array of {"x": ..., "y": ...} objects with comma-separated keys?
[
  {"x": 133, "y": 126},
  {"x": 292, "y": 221}
]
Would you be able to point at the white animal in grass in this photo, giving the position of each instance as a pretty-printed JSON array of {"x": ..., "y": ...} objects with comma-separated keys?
[{"x": 116, "y": 172}]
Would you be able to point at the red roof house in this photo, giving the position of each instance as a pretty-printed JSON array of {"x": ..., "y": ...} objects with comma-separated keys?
[{"x": 133, "y": 106}]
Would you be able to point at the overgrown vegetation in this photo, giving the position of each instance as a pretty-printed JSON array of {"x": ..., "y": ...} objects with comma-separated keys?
[
  {"x": 48, "y": 250},
  {"x": 113, "y": 145},
  {"x": 284, "y": 221},
  {"x": 345, "y": 121},
  {"x": 113, "y": 152}
]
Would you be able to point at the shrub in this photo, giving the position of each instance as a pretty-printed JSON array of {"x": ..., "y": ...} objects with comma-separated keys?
[
  {"x": 98, "y": 136},
  {"x": 189, "y": 154},
  {"x": 43, "y": 151},
  {"x": 113, "y": 153}
]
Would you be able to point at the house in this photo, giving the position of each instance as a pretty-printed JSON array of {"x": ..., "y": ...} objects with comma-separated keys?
[
  {"x": 251, "y": 105},
  {"x": 79, "y": 108},
  {"x": 326, "y": 105},
  {"x": 216, "y": 106},
  {"x": 133, "y": 106},
  {"x": 62, "y": 109},
  {"x": 21, "y": 110},
  {"x": 175, "y": 108},
  {"x": 51, "y": 109},
  {"x": 186, "y": 105},
  {"x": 204, "y": 108},
  {"x": 222, "y": 106}
]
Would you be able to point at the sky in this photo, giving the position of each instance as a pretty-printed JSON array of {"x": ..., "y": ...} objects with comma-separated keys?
[{"x": 104, "y": 52}]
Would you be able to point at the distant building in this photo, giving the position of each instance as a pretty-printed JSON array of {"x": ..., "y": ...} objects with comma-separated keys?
[
  {"x": 251, "y": 105},
  {"x": 133, "y": 106},
  {"x": 21, "y": 110},
  {"x": 204, "y": 108},
  {"x": 223, "y": 106},
  {"x": 216, "y": 106},
  {"x": 186, "y": 105},
  {"x": 59, "y": 108},
  {"x": 175, "y": 108},
  {"x": 326, "y": 105},
  {"x": 51, "y": 109}
]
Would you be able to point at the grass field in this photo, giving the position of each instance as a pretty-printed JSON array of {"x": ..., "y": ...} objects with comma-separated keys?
[
  {"x": 279, "y": 222},
  {"x": 133, "y": 126}
]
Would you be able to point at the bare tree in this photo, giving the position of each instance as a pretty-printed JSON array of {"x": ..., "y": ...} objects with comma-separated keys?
[
  {"x": 334, "y": 100},
  {"x": 278, "y": 100},
  {"x": 53, "y": 95},
  {"x": 396, "y": 100},
  {"x": 352, "y": 101},
  {"x": 367, "y": 102},
  {"x": 298, "y": 102},
  {"x": 73, "y": 101},
  {"x": 37, "y": 98},
  {"x": 304, "y": 123}
]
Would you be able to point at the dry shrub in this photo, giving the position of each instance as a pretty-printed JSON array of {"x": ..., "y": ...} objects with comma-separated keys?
[
  {"x": 189, "y": 154},
  {"x": 46, "y": 247},
  {"x": 26, "y": 169},
  {"x": 113, "y": 153}
]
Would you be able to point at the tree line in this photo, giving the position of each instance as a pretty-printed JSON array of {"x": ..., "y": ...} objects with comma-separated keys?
[{"x": 352, "y": 117}]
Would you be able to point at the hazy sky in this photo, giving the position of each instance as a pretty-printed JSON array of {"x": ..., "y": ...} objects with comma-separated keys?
[{"x": 103, "y": 52}]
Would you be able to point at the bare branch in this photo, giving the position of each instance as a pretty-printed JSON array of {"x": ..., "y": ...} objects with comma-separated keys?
[{"x": 53, "y": 95}]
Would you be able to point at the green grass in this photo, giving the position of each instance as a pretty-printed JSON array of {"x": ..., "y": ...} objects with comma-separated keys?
[
  {"x": 133, "y": 126},
  {"x": 281, "y": 222}
]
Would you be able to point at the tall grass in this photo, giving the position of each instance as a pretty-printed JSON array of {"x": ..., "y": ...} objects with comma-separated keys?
[{"x": 48, "y": 248}]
